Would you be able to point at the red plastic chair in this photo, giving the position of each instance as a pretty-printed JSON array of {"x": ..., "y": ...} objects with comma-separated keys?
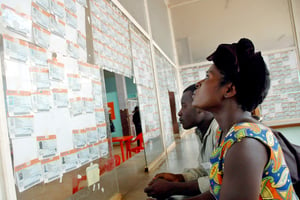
[
  {"x": 117, "y": 160},
  {"x": 76, "y": 182},
  {"x": 136, "y": 149}
]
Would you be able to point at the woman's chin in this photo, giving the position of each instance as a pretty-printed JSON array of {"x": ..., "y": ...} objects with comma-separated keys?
[{"x": 196, "y": 105}]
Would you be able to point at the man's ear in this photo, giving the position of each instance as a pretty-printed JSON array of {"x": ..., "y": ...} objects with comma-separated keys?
[{"x": 230, "y": 90}]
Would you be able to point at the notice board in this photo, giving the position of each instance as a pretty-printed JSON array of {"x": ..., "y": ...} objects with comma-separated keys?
[{"x": 282, "y": 105}]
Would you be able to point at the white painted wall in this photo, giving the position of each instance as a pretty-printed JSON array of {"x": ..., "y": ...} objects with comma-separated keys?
[
  {"x": 296, "y": 12},
  {"x": 292, "y": 134},
  {"x": 160, "y": 26},
  {"x": 137, "y": 9},
  {"x": 208, "y": 23},
  {"x": 159, "y": 21}
]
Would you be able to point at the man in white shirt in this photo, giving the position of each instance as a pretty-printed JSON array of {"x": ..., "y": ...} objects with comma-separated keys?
[{"x": 192, "y": 181}]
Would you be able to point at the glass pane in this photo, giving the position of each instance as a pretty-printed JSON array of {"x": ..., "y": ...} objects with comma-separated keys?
[{"x": 144, "y": 77}]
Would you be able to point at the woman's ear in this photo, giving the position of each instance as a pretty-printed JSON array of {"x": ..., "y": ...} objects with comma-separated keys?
[{"x": 230, "y": 90}]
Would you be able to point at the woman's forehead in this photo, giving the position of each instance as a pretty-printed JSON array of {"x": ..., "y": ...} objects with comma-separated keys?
[{"x": 213, "y": 69}]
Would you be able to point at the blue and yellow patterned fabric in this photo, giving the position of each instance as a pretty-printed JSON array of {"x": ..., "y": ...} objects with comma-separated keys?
[{"x": 276, "y": 181}]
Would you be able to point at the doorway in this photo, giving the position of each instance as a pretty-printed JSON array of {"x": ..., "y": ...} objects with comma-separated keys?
[
  {"x": 173, "y": 113},
  {"x": 121, "y": 96}
]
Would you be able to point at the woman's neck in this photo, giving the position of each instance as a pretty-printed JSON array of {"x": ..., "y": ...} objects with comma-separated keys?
[{"x": 226, "y": 119}]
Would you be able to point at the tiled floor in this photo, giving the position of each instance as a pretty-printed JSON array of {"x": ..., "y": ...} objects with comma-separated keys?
[{"x": 131, "y": 176}]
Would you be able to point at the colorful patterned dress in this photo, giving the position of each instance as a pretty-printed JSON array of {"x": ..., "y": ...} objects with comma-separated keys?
[{"x": 276, "y": 181}]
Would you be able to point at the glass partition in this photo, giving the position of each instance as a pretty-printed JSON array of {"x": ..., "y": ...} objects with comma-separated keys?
[
  {"x": 53, "y": 54},
  {"x": 55, "y": 102},
  {"x": 166, "y": 83},
  {"x": 144, "y": 77}
]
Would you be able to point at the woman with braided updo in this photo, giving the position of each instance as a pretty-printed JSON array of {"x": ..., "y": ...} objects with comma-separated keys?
[{"x": 248, "y": 162}]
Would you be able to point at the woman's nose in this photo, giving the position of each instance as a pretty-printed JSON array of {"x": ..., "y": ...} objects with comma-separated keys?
[{"x": 198, "y": 84}]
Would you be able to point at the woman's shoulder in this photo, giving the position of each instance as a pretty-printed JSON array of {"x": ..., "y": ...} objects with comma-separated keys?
[{"x": 249, "y": 129}]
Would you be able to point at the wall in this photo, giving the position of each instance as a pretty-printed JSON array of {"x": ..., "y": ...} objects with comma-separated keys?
[
  {"x": 296, "y": 11},
  {"x": 131, "y": 88},
  {"x": 79, "y": 107},
  {"x": 159, "y": 21},
  {"x": 160, "y": 27},
  {"x": 104, "y": 48},
  {"x": 137, "y": 9},
  {"x": 207, "y": 23},
  {"x": 292, "y": 134}
]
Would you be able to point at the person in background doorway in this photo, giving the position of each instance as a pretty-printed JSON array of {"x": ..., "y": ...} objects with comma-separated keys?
[
  {"x": 191, "y": 181},
  {"x": 248, "y": 162},
  {"x": 112, "y": 126},
  {"x": 137, "y": 122}
]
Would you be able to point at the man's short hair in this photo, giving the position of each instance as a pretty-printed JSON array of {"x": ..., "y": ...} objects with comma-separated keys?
[{"x": 191, "y": 88}]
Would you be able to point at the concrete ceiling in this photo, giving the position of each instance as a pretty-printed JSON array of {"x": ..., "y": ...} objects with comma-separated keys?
[
  {"x": 175, "y": 3},
  {"x": 200, "y": 25}
]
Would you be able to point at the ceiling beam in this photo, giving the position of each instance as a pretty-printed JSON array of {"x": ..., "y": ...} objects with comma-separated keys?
[{"x": 181, "y": 3}]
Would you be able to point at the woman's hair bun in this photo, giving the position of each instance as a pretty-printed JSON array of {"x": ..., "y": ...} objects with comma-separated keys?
[
  {"x": 239, "y": 64},
  {"x": 245, "y": 49}
]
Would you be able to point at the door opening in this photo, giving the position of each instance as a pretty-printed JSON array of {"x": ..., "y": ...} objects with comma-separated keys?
[{"x": 173, "y": 113}]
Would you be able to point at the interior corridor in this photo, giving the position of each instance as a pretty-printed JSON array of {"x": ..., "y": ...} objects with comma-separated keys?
[{"x": 131, "y": 176}]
